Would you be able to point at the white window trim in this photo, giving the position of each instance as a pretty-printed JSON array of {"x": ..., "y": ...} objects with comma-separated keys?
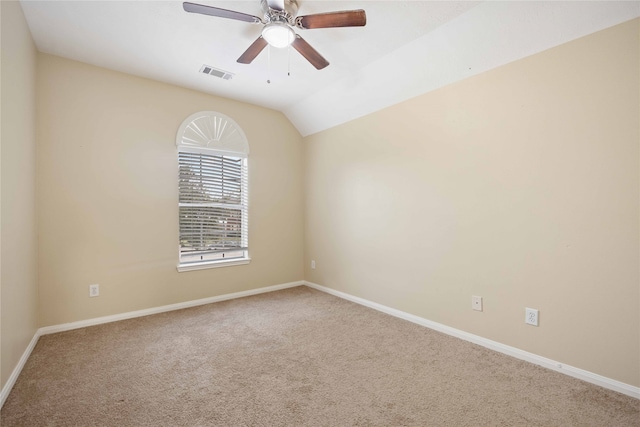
[
  {"x": 212, "y": 264},
  {"x": 223, "y": 138}
]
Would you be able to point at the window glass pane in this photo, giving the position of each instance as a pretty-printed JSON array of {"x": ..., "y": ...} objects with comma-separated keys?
[
  {"x": 212, "y": 207},
  {"x": 205, "y": 178},
  {"x": 208, "y": 228}
]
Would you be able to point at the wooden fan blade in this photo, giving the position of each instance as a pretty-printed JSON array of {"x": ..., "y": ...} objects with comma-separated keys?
[
  {"x": 253, "y": 51},
  {"x": 309, "y": 53},
  {"x": 345, "y": 18},
  {"x": 221, "y": 13}
]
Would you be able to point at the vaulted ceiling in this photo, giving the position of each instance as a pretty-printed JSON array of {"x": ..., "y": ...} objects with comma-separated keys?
[{"x": 406, "y": 49}]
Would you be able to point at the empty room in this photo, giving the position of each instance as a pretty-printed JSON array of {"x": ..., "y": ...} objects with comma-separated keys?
[{"x": 320, "y": 213}]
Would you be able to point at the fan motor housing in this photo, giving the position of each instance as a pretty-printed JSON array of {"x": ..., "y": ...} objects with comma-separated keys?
[{"x": 287, "y": 15}]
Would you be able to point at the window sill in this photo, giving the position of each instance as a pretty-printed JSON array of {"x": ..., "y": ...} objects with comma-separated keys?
[{"x": 212, "y": 264}]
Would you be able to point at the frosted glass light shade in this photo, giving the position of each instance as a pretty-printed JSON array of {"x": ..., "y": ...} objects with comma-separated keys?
[{"x": 278, "y": 34}]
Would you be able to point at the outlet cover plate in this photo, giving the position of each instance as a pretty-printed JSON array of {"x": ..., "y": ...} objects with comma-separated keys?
[
  {"x": 531, "y": 316},
  {"x": 476, "y": 303},
  {"x": 94, "y": 290}
]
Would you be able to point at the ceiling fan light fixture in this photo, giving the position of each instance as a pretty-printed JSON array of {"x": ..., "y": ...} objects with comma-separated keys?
[{"x": 278, "y": 34}]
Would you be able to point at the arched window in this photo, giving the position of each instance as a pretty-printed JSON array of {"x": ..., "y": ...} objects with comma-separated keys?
[{"x": 213, "y": 192}]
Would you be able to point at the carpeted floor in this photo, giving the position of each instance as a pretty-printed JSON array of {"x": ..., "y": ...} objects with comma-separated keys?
[{"x": 296, "y": 357}]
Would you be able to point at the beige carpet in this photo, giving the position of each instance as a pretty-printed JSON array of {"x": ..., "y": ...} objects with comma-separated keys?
[{"x": 296, "y": 357}]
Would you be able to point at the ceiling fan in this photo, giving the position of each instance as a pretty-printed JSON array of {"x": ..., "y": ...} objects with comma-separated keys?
[{"x": 278, "y": 23}]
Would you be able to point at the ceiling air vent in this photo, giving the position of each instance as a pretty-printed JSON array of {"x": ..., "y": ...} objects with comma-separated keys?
[{"x": 208, "y": 69}]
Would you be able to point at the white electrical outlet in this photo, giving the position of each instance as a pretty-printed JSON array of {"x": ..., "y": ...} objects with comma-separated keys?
[
  {"x": 476, "y": 303},
  {"x": 94, "y": 290},
  {"x": 531, "y": 316},
  {"x": 313, "y": 264}
]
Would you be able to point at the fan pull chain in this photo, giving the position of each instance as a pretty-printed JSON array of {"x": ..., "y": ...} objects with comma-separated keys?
[
  {"x": 289, "y": 60},
  {"x": 269, "y": 64}
]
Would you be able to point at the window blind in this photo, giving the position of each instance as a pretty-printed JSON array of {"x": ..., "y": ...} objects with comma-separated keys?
[{"x": 213, "y": 206}]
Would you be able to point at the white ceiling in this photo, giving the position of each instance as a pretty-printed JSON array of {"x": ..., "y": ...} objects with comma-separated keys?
[{"x": 407, "y": 47}]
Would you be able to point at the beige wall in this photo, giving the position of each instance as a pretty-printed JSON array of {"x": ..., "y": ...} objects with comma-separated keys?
[
  {"x": 18, "y": 279},
  {"x": 520, "y": 185},
  {"x": 107, "y": 192}
]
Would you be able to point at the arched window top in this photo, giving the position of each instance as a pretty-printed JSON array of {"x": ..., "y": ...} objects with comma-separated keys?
[{"x": 211, "y": 131}]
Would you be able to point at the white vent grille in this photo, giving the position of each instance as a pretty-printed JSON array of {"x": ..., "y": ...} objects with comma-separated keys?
[{"x": 208, "y": 69}]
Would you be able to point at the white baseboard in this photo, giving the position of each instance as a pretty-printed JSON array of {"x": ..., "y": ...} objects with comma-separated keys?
[
  {"x": 4, "y": 393},
  {"x": 155, "y": 310},
  {"x": 581, "y": 374}
]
